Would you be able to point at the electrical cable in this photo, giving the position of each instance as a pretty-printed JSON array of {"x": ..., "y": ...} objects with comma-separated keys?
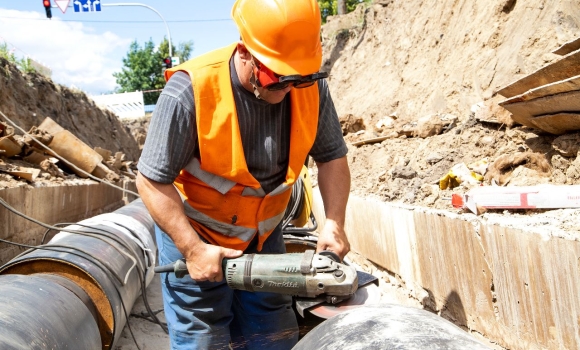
[
  {"x": 295, "y": 200},
  {"x": 66, "y": 161}
]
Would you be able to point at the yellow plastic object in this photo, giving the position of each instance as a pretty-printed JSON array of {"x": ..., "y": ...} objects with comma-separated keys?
[
  {"x": 304, "y": 215},
  {"x": 284, "y": 35},
  {"x": 451, "y": 180}
]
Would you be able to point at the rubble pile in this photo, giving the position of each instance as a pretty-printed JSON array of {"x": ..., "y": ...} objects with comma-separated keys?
[{"x": 49, "y": 152}]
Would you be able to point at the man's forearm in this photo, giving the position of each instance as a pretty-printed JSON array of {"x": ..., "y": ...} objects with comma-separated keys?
[
  {"x": 334, "y": 184},
  {"x": 166, "y": 208}
]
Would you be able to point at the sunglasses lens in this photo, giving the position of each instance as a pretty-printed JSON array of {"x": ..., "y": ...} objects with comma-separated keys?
[
  {"x": 277, "y": 86},
  {"x": 304, "y": 84}
]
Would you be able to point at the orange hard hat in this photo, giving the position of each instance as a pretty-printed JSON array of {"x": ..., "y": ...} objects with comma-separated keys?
[{"x": 284, "y": 35}]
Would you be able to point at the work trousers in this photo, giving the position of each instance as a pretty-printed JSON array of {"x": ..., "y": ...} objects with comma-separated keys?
[{"x": 210, "y": 315}]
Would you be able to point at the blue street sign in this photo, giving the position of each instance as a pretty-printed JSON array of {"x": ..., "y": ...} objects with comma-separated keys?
[{"x": 87, "y": 5}]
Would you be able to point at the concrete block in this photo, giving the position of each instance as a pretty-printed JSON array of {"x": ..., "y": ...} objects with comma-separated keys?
[
  {"x": 517, "y": 287},
  {"x": 52, "y": 205}
]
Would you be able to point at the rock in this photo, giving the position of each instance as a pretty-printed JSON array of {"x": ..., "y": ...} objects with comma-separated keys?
[
  {"x": 567, "y": 145},
  {"x": 351, "y": 124}
]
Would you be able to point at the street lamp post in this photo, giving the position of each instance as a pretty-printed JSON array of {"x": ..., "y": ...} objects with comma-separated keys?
[{"x": 154, "y": 10}]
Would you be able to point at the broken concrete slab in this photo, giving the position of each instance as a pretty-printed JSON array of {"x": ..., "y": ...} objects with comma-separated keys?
[{"x": 568, "y": 66}]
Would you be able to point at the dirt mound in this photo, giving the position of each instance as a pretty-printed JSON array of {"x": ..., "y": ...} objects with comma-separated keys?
[
  {"x": 27, "y": 99},
  {"x": 396, "y": 66},
  {"x": 414, "y": 86}
]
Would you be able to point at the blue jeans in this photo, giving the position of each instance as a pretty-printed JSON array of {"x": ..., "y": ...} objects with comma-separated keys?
[{"x": 208, "y": 315}]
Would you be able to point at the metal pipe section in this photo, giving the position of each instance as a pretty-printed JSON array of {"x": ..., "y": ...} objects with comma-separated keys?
[
  {"x": 388, "y": 326},
  {"x": 102, "y": 262},
  {"x": 36, "y": 313}
]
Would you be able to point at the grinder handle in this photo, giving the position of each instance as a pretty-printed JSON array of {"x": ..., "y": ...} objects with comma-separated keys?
[{"x": 179, "y": 267}]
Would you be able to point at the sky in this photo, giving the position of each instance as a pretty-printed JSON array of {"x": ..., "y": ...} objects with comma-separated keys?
[{"x": 84, "y": 49}]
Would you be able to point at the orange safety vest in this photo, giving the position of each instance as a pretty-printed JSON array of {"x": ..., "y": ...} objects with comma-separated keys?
[{"x": 225, "y": 204}]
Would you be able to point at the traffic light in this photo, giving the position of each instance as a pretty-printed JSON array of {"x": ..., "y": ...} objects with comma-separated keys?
[
  {"x": 166, "y": 63},
  {"x": 46, "y": 4}
]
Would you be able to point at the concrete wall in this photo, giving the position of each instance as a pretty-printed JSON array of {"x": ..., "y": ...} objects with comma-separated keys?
[
  {"x": 51, "y": 205},
  {"x": 518, "y": 288}
]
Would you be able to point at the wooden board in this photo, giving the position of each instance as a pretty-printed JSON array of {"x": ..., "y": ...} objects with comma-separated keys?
[
  {"x": 558, "y": 87},
  {"x": 568, "y": 66},
  {"x": 523, "y": 112},
  {"x": 568, "y": 47},
  {"x": 369, "y": 141},
  {"x": 559, "y": 123}
]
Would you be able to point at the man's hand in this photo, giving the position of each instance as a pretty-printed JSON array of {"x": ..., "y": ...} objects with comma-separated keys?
[
  {"x": 333, "y": 238},
  {"x": 204, "y": 261}
]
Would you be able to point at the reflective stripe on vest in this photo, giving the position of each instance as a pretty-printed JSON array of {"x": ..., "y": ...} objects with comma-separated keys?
[{"x": 224, "y": 202}]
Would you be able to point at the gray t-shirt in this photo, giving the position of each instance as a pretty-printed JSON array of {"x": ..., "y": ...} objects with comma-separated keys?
[{"x": 264, "y": 127}]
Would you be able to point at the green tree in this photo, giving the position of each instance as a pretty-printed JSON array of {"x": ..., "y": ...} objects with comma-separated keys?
[
  {"x": 330, "y": 7},
  {"x": 142, "y": 69}
]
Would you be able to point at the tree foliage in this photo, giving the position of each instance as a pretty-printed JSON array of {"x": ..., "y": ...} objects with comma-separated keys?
[
  {"x": 142, "y": 69},
  {"x": 330, "y": 7}
]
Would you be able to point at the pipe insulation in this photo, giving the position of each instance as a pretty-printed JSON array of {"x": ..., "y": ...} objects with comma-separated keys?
[{"x": 94, "y": 271}]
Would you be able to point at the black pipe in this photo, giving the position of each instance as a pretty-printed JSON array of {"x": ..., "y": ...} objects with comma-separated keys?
[
  {"x": 108, "y": 258},
  {"x": 388, "y": 326},
  {"x": 38, "y": 313}
]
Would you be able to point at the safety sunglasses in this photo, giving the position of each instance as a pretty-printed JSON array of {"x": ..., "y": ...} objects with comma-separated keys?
[{"x": 267, "y": 79}]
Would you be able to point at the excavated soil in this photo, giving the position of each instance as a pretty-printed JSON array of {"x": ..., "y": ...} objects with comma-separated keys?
[
  {"x": 414, "y": 82},
  {"x": 419, "y": 82}
]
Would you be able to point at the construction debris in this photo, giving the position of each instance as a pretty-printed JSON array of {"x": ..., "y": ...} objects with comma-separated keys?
[
  {"x": 500, "y": 172},
  {"x": 549, "y": 98},
  {"x": 8, "y": 145},
  {"x": 29, "y": 174},
  {"x": 43, "y": 145},
  {"x": 480, "y": 199}
]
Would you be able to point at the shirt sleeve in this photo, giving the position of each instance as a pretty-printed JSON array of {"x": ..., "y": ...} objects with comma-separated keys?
[
  {"x": 172, "y": 134},
  {"x": 329, "y": 143}
]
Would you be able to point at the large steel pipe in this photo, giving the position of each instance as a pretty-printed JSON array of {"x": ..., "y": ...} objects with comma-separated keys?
[
  {"x": 388, "y": 326},
  {"x": 38, "y": 313},
  {"x": 109, "y": 257}
]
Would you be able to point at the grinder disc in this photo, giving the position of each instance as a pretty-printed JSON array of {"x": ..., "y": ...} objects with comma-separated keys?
[{"x": 365, "y": 295}]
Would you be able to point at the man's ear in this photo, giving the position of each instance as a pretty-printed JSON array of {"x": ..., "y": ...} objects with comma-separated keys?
[{"x": 243, "y": 51}]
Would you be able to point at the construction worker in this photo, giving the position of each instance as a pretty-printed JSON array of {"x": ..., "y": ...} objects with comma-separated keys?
[{"x": 228, "y": 138}]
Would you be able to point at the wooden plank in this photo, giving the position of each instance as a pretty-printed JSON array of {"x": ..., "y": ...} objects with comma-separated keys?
[
  {"x": 29, "y": 174},
  {"x": 369, "y": 141},
  {"x": 523, "y": 112},
  {"x": 568, "y": 47},
  {"x": 558, "y": 87},
  {"x": 565, "y": 68},
  {"x": 559, "y": 123}
]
